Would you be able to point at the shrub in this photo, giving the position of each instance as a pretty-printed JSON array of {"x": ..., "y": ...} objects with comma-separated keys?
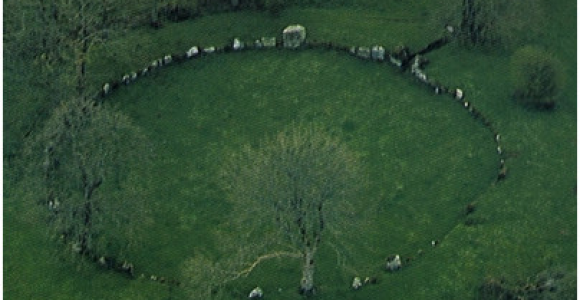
[{"x": 537, "y": 76}]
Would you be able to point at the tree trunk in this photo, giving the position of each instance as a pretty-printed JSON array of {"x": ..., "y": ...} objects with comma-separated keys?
[
  {"x": 307, "y": 282},
  {"x": 468, "y": 21},
  {"x": 154, "y": 13}
]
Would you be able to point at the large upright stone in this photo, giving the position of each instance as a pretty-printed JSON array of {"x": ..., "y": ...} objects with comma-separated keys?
[
  {"x": 294, "y": 36},
  {"x": 237, "y": 45},
  {"x": 393, "y": 263},
  {"x": 378, "y": 53}
]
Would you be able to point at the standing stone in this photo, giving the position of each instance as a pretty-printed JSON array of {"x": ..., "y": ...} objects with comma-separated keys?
[
  {"x": 256, "y": 293},
  {"x": 356, "y": 283},
  {"x": 193, "y": 51},
  {"x": 237, "y": 45},
  {"x": 378, "y": 53},
  {"x": 106, "y": 89},
  {"x": 393, "y": 263},
  {"x": 268, "y": 41},
  {"x": 167, "y": 59},
  {"x": 352, "y": 50},
  {"x": 209, "y": 50},
  {"x": 363, "y": 52},
  {"x": 294, "y": 36}
]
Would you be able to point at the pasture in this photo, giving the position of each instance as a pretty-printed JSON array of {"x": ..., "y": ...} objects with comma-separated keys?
[{"x": 425, "y": 158}]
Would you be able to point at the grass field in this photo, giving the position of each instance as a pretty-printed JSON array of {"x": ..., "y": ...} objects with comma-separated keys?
[{"x": 426, "y": 158}]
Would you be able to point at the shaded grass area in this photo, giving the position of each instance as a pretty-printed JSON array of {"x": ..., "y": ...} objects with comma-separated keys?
[{"x": 425, "y": 156}]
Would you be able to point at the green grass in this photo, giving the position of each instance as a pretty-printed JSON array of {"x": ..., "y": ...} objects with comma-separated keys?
[{"x": 426, "y": 158}]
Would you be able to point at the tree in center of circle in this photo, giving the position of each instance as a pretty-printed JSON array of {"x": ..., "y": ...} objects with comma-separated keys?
[{"x": 301, "y": 181}]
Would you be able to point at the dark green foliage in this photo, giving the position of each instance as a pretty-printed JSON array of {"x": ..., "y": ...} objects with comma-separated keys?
[
  {"x": 275, "y": 7},
  {"x": 490, "y": 23},
  {"x": 494, "y": 289},
  {"x": 551, "y": 284},
  {"x": 81, "y": 176},
  {"x": 537, "y": 76},
  {"x": 301, "y": 180}
]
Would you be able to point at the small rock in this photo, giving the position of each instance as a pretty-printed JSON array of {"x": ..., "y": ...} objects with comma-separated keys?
[
  {"x": 356, "y": 283},
  {"x": 193, "y": 51},
  {"x": 256, "y": 293},
  {"x": 378, "y": 53},
  {"x": 237, "y": 45},
  {"x": 209, "y": 50},
  {"x": 363, "y": 52},
  {"x": 393, "y": 263}
]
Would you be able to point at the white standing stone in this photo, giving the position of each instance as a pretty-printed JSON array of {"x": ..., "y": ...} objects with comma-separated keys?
[
  {"x": 378, "y": 53},
  {"x": 256, "y": 293},
  {"x": 363, "y": 52},
  {"x": 106, "y": 89},
  {"x": 394, "y": 263},
  {"x": 209, "y": 50},
  {"x": 193, "y": 51},
  {"x": 237, "y": 44},
  {"x": 294, "y": 36},
  {"x": 356, "y": 283},
  {"x": 167, "y": 59},
  {"x": 459, "y": 94}
]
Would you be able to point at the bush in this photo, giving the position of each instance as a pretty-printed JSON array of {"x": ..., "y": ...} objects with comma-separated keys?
[{"x": 538, "y": 77}]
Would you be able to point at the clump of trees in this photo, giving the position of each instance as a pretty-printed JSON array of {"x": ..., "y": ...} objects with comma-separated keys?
[
  {"x": 555, "y": 283},
  {"x": 82, "y": 178},
  {"x": 490, "y": 23},
  {"x": 290, "y": 194},
  {"x": 537, "y": 76}
]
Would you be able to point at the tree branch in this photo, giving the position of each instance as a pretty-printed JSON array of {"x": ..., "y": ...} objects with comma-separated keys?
[{"x": 245, "y": 272}]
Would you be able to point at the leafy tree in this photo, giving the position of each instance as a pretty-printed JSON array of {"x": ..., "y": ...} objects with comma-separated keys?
[
  {"x": 490, "y": 23},
  {"x": 538, "y": 77},
  {"x": 83, "y": 173},
  {"x": 59, "y": 35},
  {"x": 300, "y": 182}
]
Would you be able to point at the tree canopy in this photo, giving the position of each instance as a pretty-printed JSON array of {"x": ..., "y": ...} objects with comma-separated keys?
[
  {"x": 301, "y": 182},
  {"x": 490, "y": 23},
  {"x": 538, "y": 77},
  {"x": 82, "y": 175}
]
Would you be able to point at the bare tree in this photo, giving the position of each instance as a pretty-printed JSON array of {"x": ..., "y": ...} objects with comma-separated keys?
[
  {"x": 300, "y": 182},
  {"x": 82, "y": 173}
]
